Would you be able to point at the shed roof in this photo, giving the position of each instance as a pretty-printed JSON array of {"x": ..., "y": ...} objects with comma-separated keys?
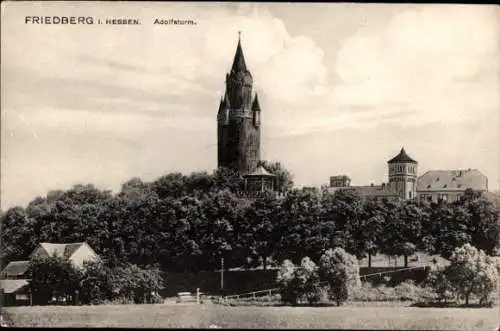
[
  {"x": 15, "y": 268},
  {"x": 13, "y": 285}
]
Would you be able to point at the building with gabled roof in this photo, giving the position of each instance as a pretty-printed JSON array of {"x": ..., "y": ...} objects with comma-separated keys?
[
  {"x": 14, "y": 282},
  {"x": 14, "y": 292},
  {"x": 367, "y": 192},
  {"x": 77, "y": 253},
  {"x": 450, "y": 185}
]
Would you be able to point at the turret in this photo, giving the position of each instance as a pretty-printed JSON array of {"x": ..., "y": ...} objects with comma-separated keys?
[
  {"x": 403, "y": 175},
  {"x": 256, "y": 111}
]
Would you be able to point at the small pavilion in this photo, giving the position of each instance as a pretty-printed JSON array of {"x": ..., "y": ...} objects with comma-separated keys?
[{"x": 259, "y": 181}]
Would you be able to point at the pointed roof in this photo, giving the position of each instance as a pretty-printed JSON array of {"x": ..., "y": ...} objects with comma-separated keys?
[
  {"x": 255, "y": 104},
  {"x": 62, "y": 250},
  {"x": 402, "y": 157},
  {"x": 239, "y": 60},
  {"x": 260, "y": 171}
]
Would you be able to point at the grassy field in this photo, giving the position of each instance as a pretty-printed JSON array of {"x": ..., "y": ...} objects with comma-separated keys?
[{"x": 203, "y": 316}]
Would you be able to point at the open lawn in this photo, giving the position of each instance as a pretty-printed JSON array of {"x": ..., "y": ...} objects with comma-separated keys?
[{"x": 203, "y": 316}]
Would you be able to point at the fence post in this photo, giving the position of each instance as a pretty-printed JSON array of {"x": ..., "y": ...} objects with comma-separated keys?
[
  {"x": 270, "y": 293},
  {"x": 253, "y": 294},
  {"x": 197, "y": 295}
]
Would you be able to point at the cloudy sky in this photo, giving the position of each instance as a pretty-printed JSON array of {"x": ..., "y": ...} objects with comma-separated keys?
[{"x": 342, "y": 88}]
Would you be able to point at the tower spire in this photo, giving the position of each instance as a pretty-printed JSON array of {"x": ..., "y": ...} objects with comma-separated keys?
[{"x": 239, "y": 60}]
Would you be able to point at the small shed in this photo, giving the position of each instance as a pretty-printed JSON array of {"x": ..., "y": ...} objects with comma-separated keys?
[{"x": 15, "y": 292}]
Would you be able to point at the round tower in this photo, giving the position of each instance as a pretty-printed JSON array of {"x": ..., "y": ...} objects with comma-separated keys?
[
  {"x": 239, "y": 120},
  {"x": 403, "y": 175}
]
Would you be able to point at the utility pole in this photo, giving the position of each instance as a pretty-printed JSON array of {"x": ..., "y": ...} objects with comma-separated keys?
[{"x": 222, "y": 273}]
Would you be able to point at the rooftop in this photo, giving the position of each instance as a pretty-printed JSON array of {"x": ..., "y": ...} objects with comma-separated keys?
[
  {"x": 260, "y": 171},
  {"x": 62, "y": 250},
  {"x": 239, "y": 64},
  {"x": 452, "y": 180},
  {"x": 13, "y": 285},
  {"x": 402, "y": 157},
  {"x": 369, "y": 190},
  {"x": 15, "y": 268}
]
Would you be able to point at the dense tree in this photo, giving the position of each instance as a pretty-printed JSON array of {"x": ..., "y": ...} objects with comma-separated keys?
[
  {"x": 17, "y": 231},
  {"x": 471, "y": 271},
  {"x": 338, "y": 269},
  {"x": 53, "y": 277},
  {"x": 190, "y": 222},
  {"x": 484, "y": 222},
  {"x": 221, "y": 211},
  {"x": 258, "y": 227},
  {"x": 299, "y": 226},
  {"x": 405, "y": 223}
]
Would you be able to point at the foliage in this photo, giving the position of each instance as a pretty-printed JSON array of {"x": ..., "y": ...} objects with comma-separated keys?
[
  {"x": 340, "y": 270},
  {"x": 406, "y": 291},
  {"x": 299, "y": 227},
  {"x": 52, "y": 277},
  {"x": 94, "y": 283},
  {"x": 134, "y": 283},
  {"x": 299, "y": 283},
  {"x": 472, "y": 272},
  {"x": 439, "y": 283},
  {"x": 258, "y": 230},
  {"x": 284, "y": 179},
  {"x": 190, "y": 222}
]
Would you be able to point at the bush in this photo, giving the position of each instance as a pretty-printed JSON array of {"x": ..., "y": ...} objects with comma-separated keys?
[
  {"x": 340, "y": 270},
  {"x": 299, "y": 283},
  {"x": 406, "y": 291},
  {"x": 472, "y": 272},
  {"x": 135, "y": 283},
  {"x": 439, "y": 283}
]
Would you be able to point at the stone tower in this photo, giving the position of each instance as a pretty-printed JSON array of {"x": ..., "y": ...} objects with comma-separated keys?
[
  {"x": 238, "y": 120},
  {"x": 403, "y": 175}
]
